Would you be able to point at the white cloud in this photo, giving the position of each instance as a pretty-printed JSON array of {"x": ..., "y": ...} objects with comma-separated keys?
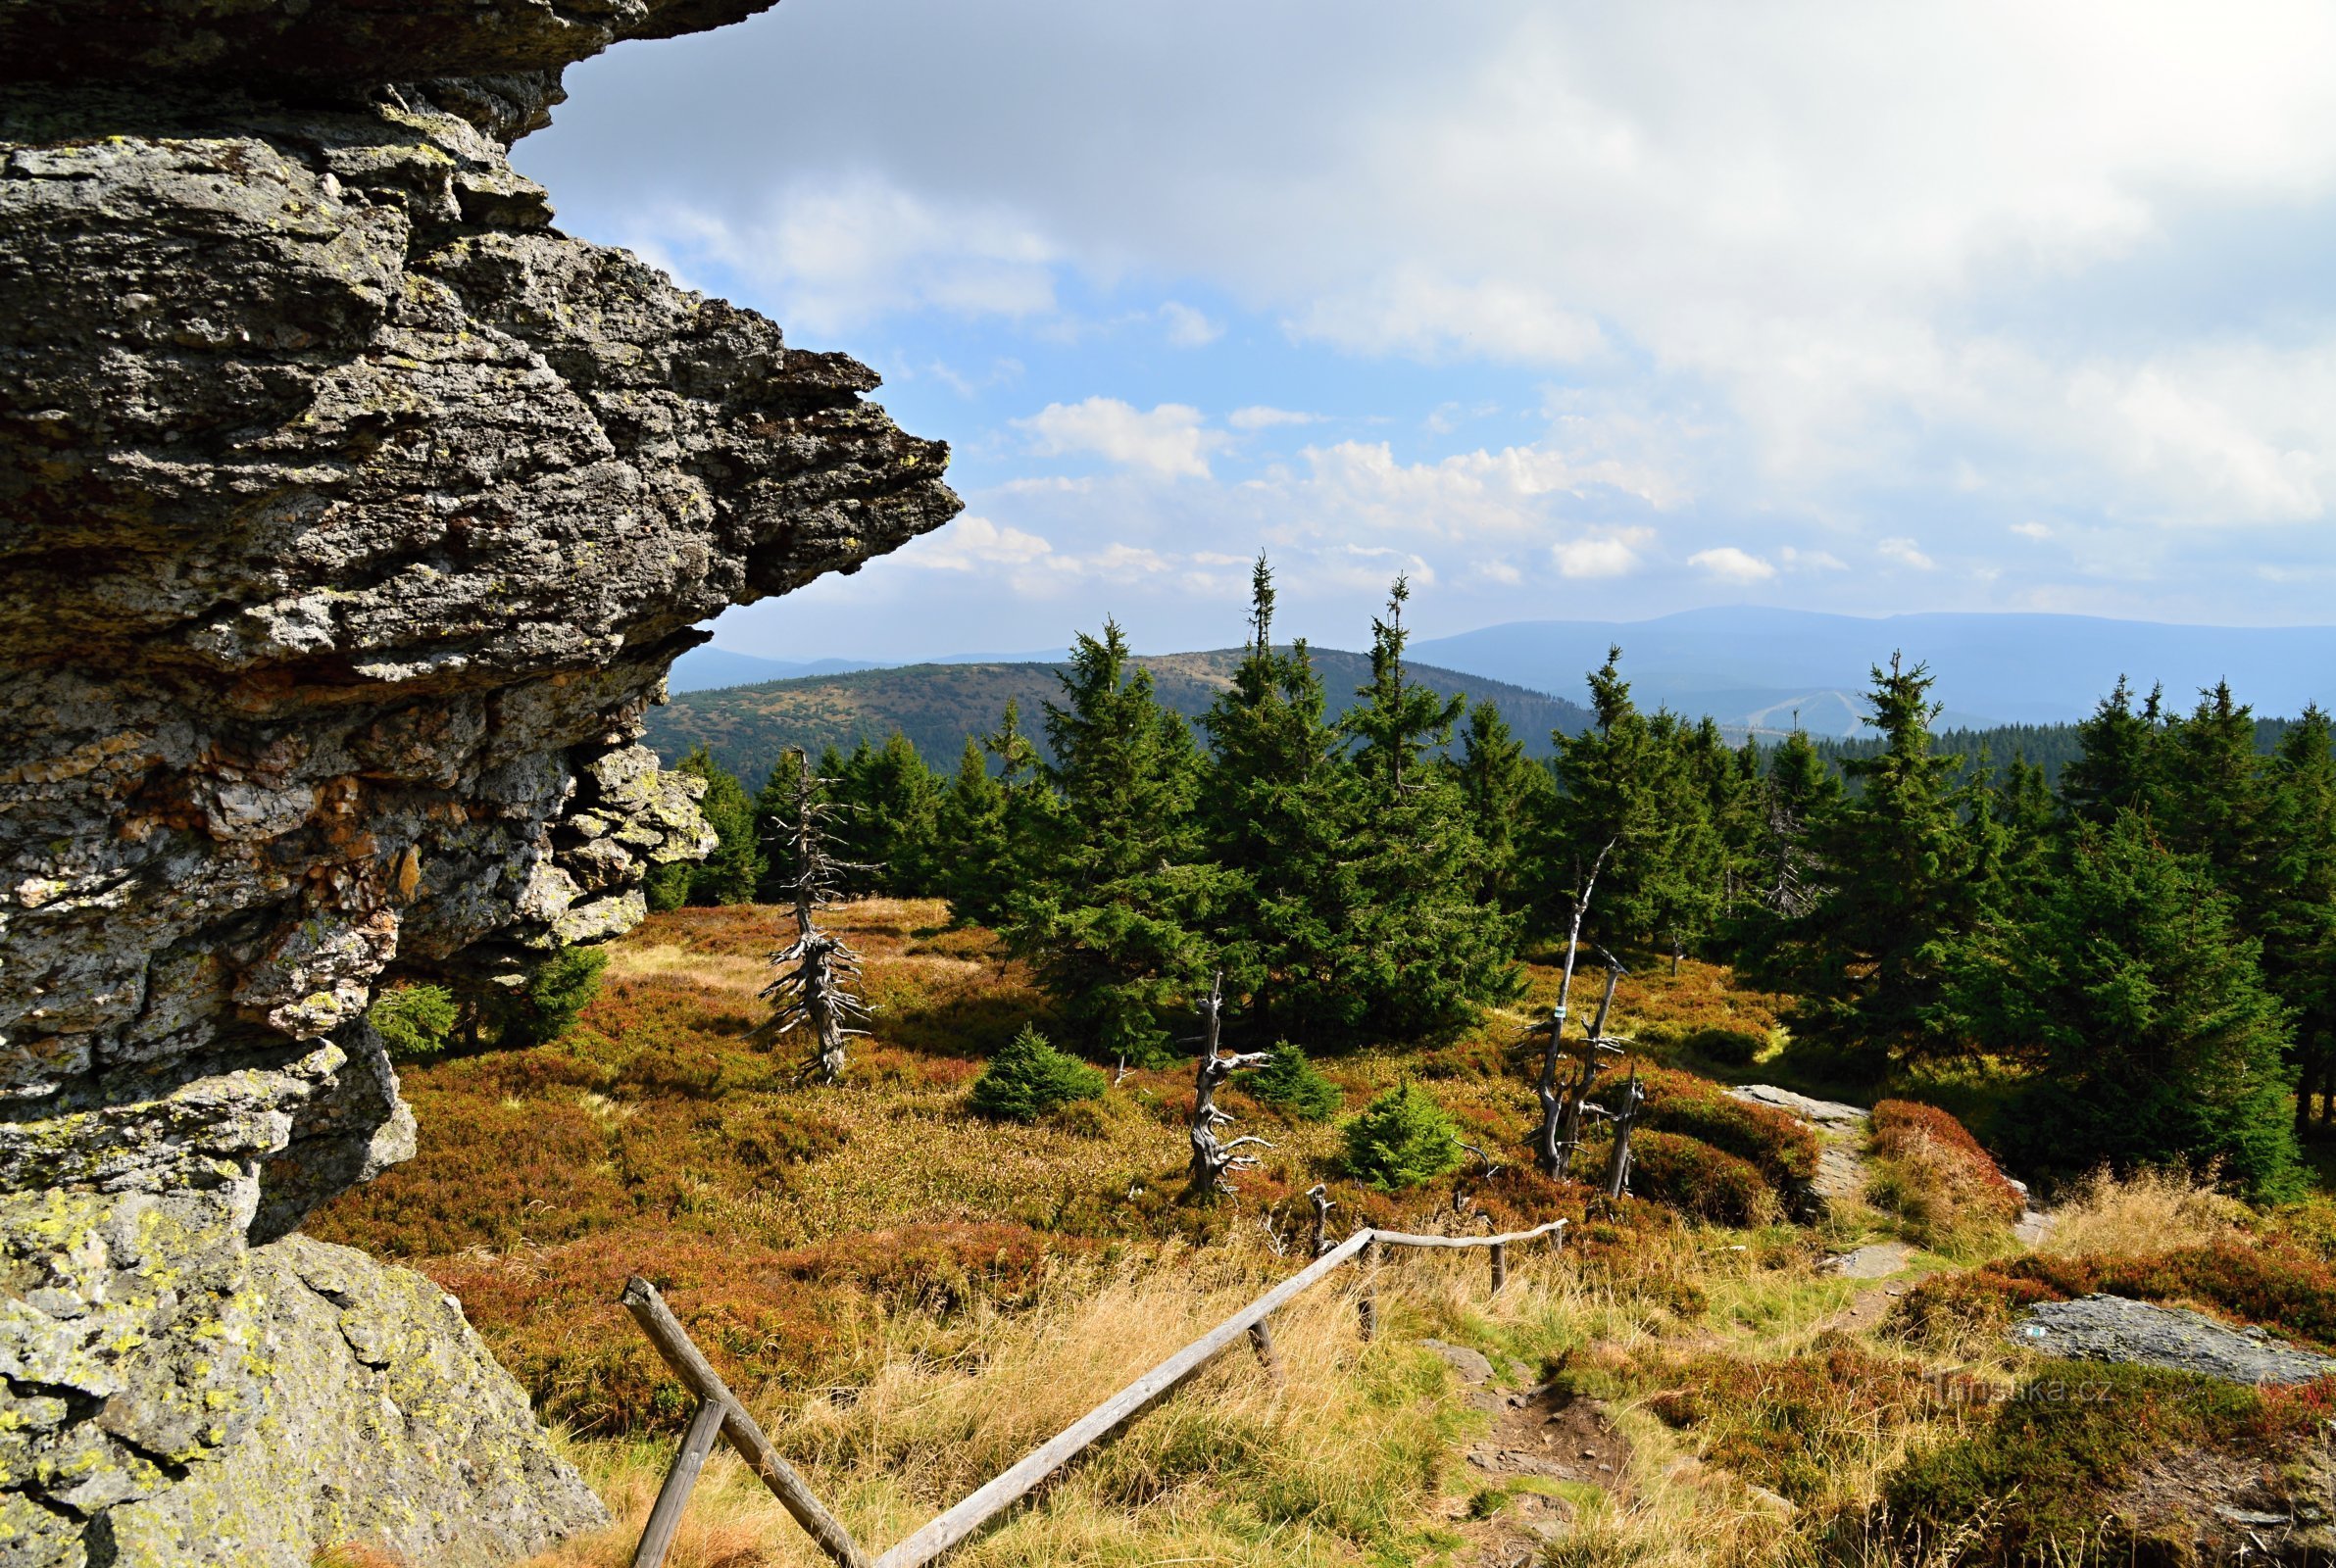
[
  {"x": 834, "y": 256},
  {"x": 1810, "y": 560},
  {"x": 2033, "y": 530},
  {"x": 2006, "y": 260},
  {"x": 1606, "y": 556},
  {"x": 1428, "y": 318},
  {"x": 1260, "y": 418},
  {"x": 972, "y": 544},
  {"x": 1732, "y": 564},
  {"x": 1905, "y": 553},
  {"x": 1189, "y": 328},
  {"x": 1171, "y": 441}
]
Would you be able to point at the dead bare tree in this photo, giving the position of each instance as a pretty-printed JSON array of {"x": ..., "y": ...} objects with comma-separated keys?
[
  {"x": 1560, "y": 1126},
  {"x": 1617, "y": 1179},
  {"x": 818, "y": 988},
  {"x": 1213, "y": 1157}
]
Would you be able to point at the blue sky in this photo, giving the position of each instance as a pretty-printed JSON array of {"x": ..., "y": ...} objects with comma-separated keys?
[{"x": 1567, "y": 311}]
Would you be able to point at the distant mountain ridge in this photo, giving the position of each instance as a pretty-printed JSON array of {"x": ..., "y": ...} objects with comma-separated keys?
[
  {"x": 938, "y": 704},
  {"x": 1758, "y": 667}
]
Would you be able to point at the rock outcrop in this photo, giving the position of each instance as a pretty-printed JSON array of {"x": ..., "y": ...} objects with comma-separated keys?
[
  {"x": 350, "y": 516},
  {"x": 2115, "y": 1328}
]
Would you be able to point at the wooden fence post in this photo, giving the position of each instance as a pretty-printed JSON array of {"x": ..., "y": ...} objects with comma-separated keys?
[
  {"x": 1261, "y": 1340},
  {"x": 705, "y": 1430},
  {"x": 697, "y": 1375},
  {"x": 1500, "y": 1267}
]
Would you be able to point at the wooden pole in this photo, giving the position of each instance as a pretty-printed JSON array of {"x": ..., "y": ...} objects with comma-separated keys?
[
  {"x": 1009, "y": 1488},
  {"x": 1261, "y": 1340},
  {"x": 1500, "y": 1267},
  {"x": 705, "y": 1430},
  {"x": 697, "y": 1374},
  {"x": 719, "y": 1410}
]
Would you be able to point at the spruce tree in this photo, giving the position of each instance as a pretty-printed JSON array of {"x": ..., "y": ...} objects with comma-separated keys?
[
  {"x": 774, "y": 805},
  {"x": 734, "y": 871},
  {"x": 1632, "y": 781},
  {"x": 2116, "y": 767},
  {"x": 2297, "y": 918},
  {"x": 1278, "y": 808},
  {"x": 1506, "y": 793},
  {"x": 1867, "y": 958},
  {"x": 970, "y": 848},
  {"x": 1424, "y": 955},
  {"x": 2129, "y": 985},
  {"x": 1114, "y": 916},
  {"x": 892, "y": 799},
  {"x": 1797, "y": 795}
]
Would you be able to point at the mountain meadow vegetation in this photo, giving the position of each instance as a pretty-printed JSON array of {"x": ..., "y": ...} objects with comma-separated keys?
[{"x": 2115, "y": 981}]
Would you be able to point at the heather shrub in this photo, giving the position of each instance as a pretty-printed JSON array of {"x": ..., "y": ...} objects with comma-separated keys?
[
  {"x": 414, "y": 1022},
  {"x": 1029, "y": 1078},
  {"x": 1788, "y": 1425},
  {"x": 1933, "y": 1175},
  {"x": 937, "y": 1266},
  {"x": 2028, "y": 1483},
  {"x": 1402, "y": 1139},
  {"x": 1778, "y": 1144},
  {"x": 1730, "y": 1048},
  {"x": 1699, "y": 1180},
  {"x": 1950, "y": 1313},
  {"x": 1294, "y": 1086}
]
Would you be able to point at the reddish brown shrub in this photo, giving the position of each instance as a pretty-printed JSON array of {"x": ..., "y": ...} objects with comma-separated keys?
[
  {"x": 551, "y": 1316},
  {"x": 1787, "y": 1425},
  {"x": 1780, "y": 1145},
  {"x": 1699, "y": 1179},
  {"x": 937, "y": 1265},
  {"x": 1898, "y": 1124}
]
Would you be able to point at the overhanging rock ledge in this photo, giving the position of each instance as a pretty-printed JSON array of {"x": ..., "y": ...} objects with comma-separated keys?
[{"x": 350, "y": 516}]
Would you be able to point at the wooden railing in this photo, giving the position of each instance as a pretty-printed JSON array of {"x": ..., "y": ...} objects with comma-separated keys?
[{"x": 719, "y": 1415}]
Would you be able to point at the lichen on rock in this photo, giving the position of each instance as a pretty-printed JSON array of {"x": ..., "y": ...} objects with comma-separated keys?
[{"x": 350, "y": 516}]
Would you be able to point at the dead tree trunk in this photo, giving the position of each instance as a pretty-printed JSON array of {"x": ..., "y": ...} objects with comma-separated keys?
[
  {"x": 817, "y": 990},
  {"x": 1213, "y": 1157},
  {"x": 1595, "y": 1042},
  {"x": 1546, "y": 1144},
  {"x": 1617, "y": 1161}
]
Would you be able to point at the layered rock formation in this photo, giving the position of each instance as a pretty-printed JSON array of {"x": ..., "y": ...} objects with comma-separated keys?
[{"x": 350, "y": 514}]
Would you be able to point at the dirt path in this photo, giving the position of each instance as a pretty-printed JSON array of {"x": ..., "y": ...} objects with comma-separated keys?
[{"x": 1543, "y": 1444}]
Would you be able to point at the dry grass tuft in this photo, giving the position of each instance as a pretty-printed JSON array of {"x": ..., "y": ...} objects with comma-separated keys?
[{"x": 2148, "y": 1212}]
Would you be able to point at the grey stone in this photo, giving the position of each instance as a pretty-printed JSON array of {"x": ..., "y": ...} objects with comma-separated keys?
[
  {"x": 1823, "y": 1112},
  {"x": 1876, "y": 1260},
  {"x": 1472, "y": 1365},
  {"x": 2112, "y": 1328},
  {"x": 350, "y": 516}
]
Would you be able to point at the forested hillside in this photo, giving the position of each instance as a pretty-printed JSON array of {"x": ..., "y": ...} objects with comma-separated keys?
[
  {"x": 938, "y": 707},
  {"x": 963, "y": 1095}
]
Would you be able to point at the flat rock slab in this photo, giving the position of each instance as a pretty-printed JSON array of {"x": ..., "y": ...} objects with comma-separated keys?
[
  {"x": 2113, "y": 1328},
  {"x": 1825, "y": 1112},
  {"x": 1876, "y": 1262},
  {"x": 1472, "y": 1365}
]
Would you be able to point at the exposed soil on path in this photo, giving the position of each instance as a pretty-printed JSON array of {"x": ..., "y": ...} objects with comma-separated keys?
[{"x": 1542, "y": 1441}]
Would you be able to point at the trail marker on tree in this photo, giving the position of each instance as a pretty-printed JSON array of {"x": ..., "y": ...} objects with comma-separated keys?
[{"x": 818, "y": 973}]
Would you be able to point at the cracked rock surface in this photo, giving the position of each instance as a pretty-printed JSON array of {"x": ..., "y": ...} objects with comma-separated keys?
[
  {"x": 2115, "y": 1328},
  {"x": 350, "y": 516}
]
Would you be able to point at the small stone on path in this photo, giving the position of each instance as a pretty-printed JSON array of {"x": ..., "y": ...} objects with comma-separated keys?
[
  {"x": 1472, "y": 1365},
  {"x": 1877, "y": 1261}
]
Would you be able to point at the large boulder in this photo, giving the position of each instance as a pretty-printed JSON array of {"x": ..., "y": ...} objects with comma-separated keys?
[{"x": 350, "y": 516}]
